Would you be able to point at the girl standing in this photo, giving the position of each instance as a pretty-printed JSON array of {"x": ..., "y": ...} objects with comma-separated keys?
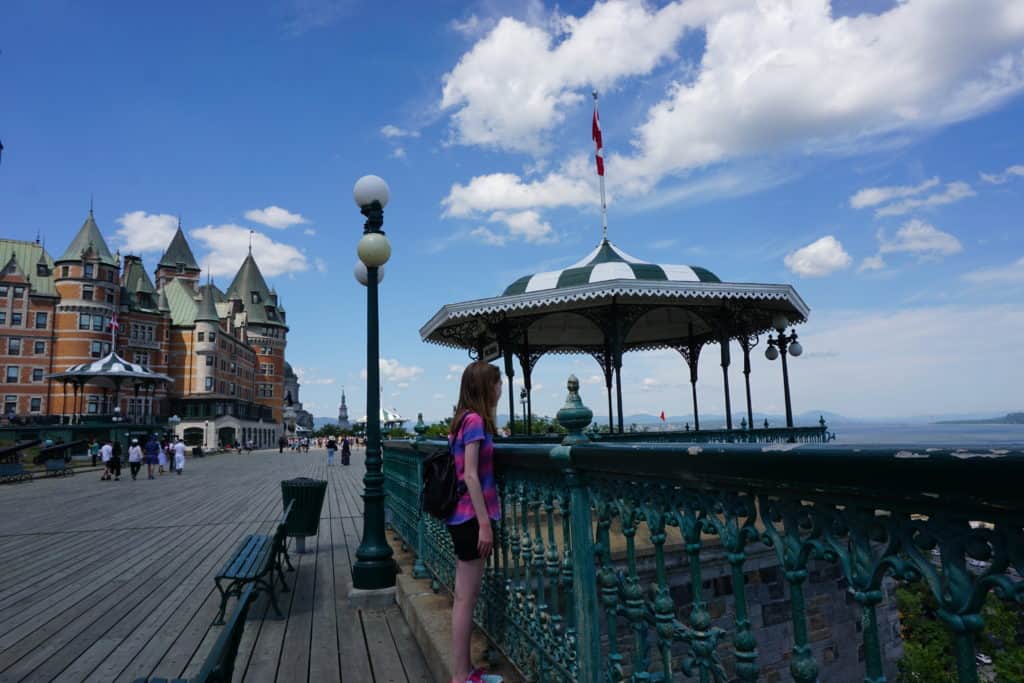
[{"x": 470, "y": 525}]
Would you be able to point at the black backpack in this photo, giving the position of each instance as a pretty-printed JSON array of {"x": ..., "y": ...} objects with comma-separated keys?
[{"x": 441, "y": 486}]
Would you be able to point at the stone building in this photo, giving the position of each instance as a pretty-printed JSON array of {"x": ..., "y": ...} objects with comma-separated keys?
[
  {"x": 343, "y": 422},
  {"x": 224, "y": 350},
  {"x": 295, "y": 416}
]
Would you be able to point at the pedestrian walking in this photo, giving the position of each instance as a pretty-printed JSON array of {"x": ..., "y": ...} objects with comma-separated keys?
[
  {"x": 161, "y": 457},
  {"x": 94, "y": 450},
  {"x": 115, "y": 461},
  {"x": 106, "y": 453},
  {"x": 332, "y": 446},
  {"x": 281, "y": 443},
  {"x": 470, "y": 525},
  {"x": 346, "y": 451},
  {"x": 135, "y": 458},
  {"x": 179, "y": 456},
  {"x": 152, "y": 451}
]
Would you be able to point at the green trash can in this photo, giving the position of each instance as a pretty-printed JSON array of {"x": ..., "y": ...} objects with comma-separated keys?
[{"x": 308, "y": 496}]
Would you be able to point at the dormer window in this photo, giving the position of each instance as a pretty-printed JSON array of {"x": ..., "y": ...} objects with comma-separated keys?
[
  {"x": 271, "y": 313},
  {"x": 179, "y": 268},
  {"x": 256, "y": 297},
  {"x": 87, "y": 270},
  {"x": 19, "y": 292},
  {"x": 42, "y": 270}
]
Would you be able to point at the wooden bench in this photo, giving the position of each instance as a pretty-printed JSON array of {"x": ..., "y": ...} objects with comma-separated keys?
[
  {"x": 57, "y": 467},
  {"x": 13, "y": 471},
  {"x": 255, "y": 562},
  {"x": 220, "y": 663}
]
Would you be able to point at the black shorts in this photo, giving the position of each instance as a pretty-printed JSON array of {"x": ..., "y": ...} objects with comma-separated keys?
[{"x": 465, "y": 537}]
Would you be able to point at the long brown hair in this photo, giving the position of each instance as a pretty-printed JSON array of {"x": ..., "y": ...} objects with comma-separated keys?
[{"x": 476, "y": 394}]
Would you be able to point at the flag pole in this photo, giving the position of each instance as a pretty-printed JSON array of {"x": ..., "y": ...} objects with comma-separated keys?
[{"x": 600, "y": 169}]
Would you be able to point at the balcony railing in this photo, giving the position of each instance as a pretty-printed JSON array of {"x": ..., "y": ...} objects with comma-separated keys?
[
  {"x": 819, "y": 434},
  {"x": 660, "y": 562}
]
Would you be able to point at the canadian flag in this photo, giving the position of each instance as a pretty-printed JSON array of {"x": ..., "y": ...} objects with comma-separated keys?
[
  {"x": 663, "y": 416},
  {"x": 595, "y": 132}
]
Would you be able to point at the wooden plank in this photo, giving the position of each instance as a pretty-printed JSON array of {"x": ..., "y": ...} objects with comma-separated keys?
[
  {"x": 324, "y": 655},
  {"x": 415, "y": 666},
  {"x": 384, "y": 658}
]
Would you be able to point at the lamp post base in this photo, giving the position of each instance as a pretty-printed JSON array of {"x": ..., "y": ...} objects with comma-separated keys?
[
  {"x": 380, "y": 598},
  {"x": 374, "y": 574}
]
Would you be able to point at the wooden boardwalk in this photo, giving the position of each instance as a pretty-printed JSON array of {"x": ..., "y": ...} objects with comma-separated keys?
[{"x": 109, "y": 581}]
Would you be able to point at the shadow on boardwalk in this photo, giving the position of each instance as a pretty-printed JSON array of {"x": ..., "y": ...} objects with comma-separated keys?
[{"x": 110, "y": 581}]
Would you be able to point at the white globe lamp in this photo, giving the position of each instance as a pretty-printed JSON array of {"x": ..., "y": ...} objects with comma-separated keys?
[
  {"x": 771, "y": 353},
  {"x": 370, "y": 189},
  {"x": 362, "y": 277},
  {"x": 374, "y": 249}
]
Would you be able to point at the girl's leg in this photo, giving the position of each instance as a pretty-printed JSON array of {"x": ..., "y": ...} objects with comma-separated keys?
[{"x": 468, "y": 576}]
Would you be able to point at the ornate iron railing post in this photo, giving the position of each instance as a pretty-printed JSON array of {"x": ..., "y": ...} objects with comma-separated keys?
[
  {"x": 419, "y": 569},
  {"x": 574, "y": 416}
]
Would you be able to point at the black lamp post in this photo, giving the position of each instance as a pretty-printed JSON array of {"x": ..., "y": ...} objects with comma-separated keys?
[
  {"x": 375, "y": 566},
  {"x": 522, "y": 402},
  {"x": 783, "y": 345}
]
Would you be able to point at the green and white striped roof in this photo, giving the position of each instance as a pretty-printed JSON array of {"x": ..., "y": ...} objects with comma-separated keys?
[{"x": 607, "y": 262}]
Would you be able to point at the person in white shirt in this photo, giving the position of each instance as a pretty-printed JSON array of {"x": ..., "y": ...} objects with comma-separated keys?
[
  {"x": 135, "y": 458},
  {"x": 179, "y": 455},
  {"x": 106, "y": 453}
]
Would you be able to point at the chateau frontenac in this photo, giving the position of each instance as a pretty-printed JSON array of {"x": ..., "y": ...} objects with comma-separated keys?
[{"x": 81, "y": 333}]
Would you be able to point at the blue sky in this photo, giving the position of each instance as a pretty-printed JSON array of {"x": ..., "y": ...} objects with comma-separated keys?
[{"x": 869, "y": 153}]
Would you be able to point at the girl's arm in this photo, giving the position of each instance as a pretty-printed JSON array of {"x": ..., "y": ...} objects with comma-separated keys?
[{"x": 471, "y": 475}]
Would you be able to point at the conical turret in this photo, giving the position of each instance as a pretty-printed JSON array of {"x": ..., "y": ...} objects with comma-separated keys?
[{"x": 88, "y": 239}]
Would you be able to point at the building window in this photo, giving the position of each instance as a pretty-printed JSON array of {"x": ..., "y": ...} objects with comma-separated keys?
[
  {"x": 19, "y": 292},
  {"x": 213, "y": 336},
  {"x": 3, "y": 317},
  {"x": 39, "y": 348},
  {"x": 209, "y": 384},
  {"x": 141, "y": 358},
  {"x": 10, "y": 405},
  {"x": 232, "y": 386},
  {"x": 12, "y": 374},
  {"x": 63, "y": 271},
  {"x": 15, "y": 319},
  {"x": 87, "y": 292},
  {"x": 209, "y": 360},
  {"x": 93, "y": 405},
  {"x": 110, "y": 296},
  {"x": 14, "y": 346},
  {"x": 179, "y": 268},
  {"x": 4, "y": 290},
  {"x": 37, "y": 374},
  {"x": 87, "y": 270},
  {"x": 96, "y": 349},
  {"x": 36, "y": 405},
  {"x": 41, "y": 319},
  {"x": 265, "y": 390},
  {"x": 83, "y": 321},
  {"x": 201, "y": 336},
  {"x": 110, "y": 276},
  {"x": 98, "y": 323},
  {"x": 256, "y": 297},
  {"x": 42, "y": 270}
]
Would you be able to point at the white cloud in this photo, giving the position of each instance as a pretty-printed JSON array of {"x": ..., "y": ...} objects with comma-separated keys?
[
  {"x": 403, "y": 385},
  {"x": 454, "y": 372},
  {"x": 398, "y": 153},
  {"x": 999, "y": 275},
  {"x": 873, "y": 196},
  {"x": 954, "y": 192},
  {"x": 309, "y": 231},
  {"x": 875, "y": 262},
  {"x": 142, "y": 232},
  {"x": 526, "y": 226},
  {"x": 390, "y": 131},
  {"x": 819, "y": 258},
  {"x": 309, "y": 377},
  {"x": 275, "y": 217},
  {"x": 471, "y": 27},
  {"x": 775, "y": 78},
  {"x": 321, "y": 265},
  {"x": 228, "y": 245},
  {"x": 917, "y": 237},
  {"x": 1000, "y": 178},
  {"x": 488, "y": 236},
  {"x": 570, "y": 186},
  {"x": 391, "y": 370}
]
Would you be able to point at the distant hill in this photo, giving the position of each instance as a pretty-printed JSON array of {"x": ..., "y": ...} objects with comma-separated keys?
[{"x": 1008, "y": 419}]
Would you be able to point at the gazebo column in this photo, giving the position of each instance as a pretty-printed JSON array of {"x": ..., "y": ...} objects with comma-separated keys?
[
  {"x": 617, "y": 363},
  {"x": 747, "y": 343},
  {"x": 526, "y": 362},
  {"x": 692, "y": 356},
  {"x": 74, "y": 402},
  {"x": 63, "y": 403},
  {"x": 606, "y": 367},
  {"x": 510, "y": 373},
  {"x": 724, "y": 341}
]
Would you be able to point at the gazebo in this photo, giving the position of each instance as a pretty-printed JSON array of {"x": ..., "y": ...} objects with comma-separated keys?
[
  {"x": 109, "y": 372},
  {"x": 610, "y": 303},
  {"x": 389, "y": 419}
]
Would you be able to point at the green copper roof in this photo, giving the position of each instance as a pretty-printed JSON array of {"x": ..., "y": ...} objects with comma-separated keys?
[
  {"x": 135, "y": 277},
  {"x": 162, "y": 304},
  {"x": 608, "y": 262},
  {"x": 181, "y": 298},
  {"x": 207, "y": 308},
  {"x": 260, "y": 309},
  {"x": 88, "y": 236},
  {"x": 30, "y": 257},
  {"x": 177, "y": 252}
]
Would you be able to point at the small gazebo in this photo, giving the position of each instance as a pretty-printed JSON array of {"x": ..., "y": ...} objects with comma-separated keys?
[
  {"x": 108, "y": 373},
  {"x": 609, "y": 303},
  {"x": 389, "y": 419}
]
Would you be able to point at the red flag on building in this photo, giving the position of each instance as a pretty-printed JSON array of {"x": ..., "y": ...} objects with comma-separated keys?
[
  {"x": 663, "y": 416},
  {"x": 595, "y": 133},
  {"x": 114, "y": 324}
]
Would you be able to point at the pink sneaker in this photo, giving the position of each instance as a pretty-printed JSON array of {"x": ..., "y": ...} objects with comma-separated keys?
[{"x": 478, "y": 676}]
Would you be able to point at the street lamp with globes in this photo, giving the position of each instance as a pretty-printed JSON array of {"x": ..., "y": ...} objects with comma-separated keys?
[
  {"x": 783, "y": 345},
  {"x": 375, "y": 566}
]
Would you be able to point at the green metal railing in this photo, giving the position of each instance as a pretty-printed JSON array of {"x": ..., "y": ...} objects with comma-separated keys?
[
  {"x": 597, "y": 540},
  {"x": 819, "y": 434}
]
